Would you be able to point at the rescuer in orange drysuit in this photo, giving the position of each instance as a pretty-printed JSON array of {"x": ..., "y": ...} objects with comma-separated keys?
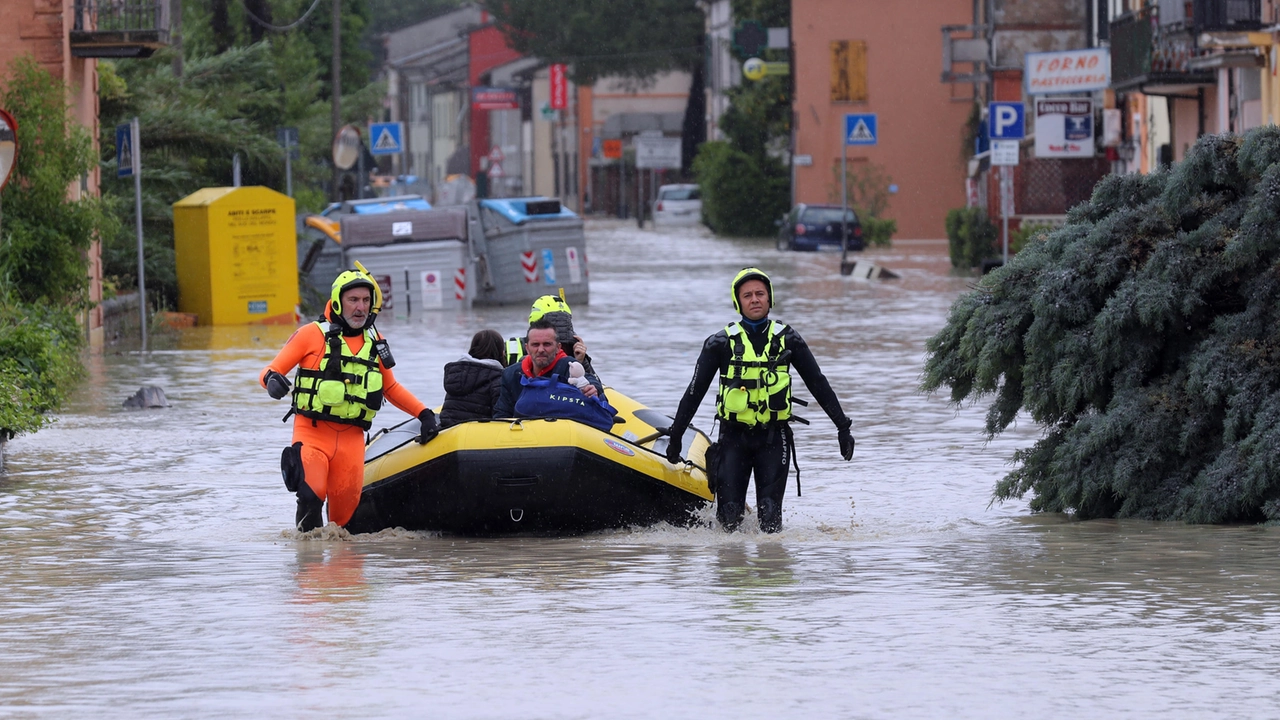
[{"x": 344, "y": 372}]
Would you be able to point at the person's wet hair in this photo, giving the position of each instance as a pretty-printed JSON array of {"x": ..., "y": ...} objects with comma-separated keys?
[{"x": 488, "y": 345}]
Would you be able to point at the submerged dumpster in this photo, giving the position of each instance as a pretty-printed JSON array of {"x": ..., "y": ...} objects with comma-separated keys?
[
  {"x": 236, "y": 256},
  {"x": 418, "y": 256},
  {"x": 526, "y": 248},
  {"x": 492, "y": 252}
]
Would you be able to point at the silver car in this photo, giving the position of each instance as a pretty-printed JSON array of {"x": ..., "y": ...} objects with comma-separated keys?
[{"x": 677, "y": 205}]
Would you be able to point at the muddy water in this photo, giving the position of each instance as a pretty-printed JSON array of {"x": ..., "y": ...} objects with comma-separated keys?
[{"x": 149, "y": 568}]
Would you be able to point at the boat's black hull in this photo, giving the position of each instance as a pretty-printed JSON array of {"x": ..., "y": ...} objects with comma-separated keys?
[{"x": 549, "y": 490}]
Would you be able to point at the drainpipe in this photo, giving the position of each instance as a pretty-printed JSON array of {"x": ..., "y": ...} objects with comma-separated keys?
[
  {"x": 1224, "y": 99},
  {"x": 1200, "y": 111}
]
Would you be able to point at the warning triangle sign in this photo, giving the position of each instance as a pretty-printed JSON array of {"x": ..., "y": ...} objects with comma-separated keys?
[
  {"x": 386, "y": 142},
  {"x": 861, "y": 133}
]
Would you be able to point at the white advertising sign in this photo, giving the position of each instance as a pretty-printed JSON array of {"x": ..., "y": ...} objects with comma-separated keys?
[
  {"x": 1064, "y": 128},
  {"x": 1068, "y": 71}
]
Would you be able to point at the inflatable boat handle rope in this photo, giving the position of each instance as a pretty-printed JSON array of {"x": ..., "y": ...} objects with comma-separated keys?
[{"x": 637, "y": 443}]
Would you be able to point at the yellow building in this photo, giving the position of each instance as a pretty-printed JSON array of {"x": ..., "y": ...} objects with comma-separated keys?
[{"x": 237, "y": 256}]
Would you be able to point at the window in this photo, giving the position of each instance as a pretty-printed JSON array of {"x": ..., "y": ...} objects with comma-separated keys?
[
  {"x": 688, "y": 193},
  {"x": 848, "y": 71},
  {"x": 444, "y": 112},
  {"x": 824, "y": 216}
]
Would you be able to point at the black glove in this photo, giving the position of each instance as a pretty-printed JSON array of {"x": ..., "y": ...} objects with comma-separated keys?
[
  {"x": 430, "y": 428},
  {"x": 277, "y": 385},
  {"x": 846, "y": 443},
  {"x": 673, "y": 450}
]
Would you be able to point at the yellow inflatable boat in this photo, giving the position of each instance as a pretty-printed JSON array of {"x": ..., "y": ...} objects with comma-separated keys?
[{"x": 544, "y": 476}]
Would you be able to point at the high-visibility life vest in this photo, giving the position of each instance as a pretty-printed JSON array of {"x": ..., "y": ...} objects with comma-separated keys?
[
  {"x": 755, "y": 389},
  {"x": 515, "y": 350},
  {"x": 346, "y": 388}
]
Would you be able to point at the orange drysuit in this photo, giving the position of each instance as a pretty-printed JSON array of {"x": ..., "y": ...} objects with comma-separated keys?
[{"x": 333, "y": 453}]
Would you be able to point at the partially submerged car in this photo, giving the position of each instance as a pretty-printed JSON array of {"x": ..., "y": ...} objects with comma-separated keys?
[{"x": 817, "y": 227}]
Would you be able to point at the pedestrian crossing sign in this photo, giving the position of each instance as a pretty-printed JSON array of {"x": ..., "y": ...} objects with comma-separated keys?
[
  {"x": 388, "y": 138},
  {"x": 124, "y": 150},
  {"x": 860, "y": 129}
]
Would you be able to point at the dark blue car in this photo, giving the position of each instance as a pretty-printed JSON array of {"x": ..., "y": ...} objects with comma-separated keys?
[{"x": 815, "y": 227}]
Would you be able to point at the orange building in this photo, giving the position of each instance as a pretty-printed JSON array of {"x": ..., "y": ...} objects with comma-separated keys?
[
  {"x": 65, "y": 37},
  {"x": 864, "y": 56}
]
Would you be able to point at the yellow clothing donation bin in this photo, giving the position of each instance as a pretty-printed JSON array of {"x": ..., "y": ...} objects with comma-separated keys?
[{"x": 237, "y": 255}]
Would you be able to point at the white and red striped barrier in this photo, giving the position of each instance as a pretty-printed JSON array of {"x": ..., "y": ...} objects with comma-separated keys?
[
  {"x": 460, "y": 284},
  {"x": 530, "y": 267}
]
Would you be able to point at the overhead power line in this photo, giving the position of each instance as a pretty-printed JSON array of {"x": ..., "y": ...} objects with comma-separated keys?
[{"x": 279, "y": 28}]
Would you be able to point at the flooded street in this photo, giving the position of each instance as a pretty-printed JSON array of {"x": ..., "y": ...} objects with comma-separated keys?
[{"x": 151, "y": 571}]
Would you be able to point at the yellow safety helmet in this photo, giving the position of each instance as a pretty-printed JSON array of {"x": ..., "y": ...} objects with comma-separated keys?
[
  {"x": 348, "y": 279},
  {"x": 750, "y": 274},
  {"x": 548, "y": 304}
]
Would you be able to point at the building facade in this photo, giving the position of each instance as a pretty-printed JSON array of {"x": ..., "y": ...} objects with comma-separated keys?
[
  {"x": 65, "y": 37},
  {"x": 863, "y": 57}
]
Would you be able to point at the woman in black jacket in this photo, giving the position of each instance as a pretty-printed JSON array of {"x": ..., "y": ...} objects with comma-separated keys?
[{"x": 472, "y": 382}]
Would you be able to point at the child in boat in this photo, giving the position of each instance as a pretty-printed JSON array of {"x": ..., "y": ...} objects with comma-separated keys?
[{"x": 472, "y": 382}]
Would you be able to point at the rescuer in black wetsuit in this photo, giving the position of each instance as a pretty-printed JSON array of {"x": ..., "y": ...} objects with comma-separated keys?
[{"x": 753, "y": 358}]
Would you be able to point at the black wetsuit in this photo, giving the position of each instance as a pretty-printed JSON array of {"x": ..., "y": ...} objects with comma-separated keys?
[{"x": 761, "y": 449}]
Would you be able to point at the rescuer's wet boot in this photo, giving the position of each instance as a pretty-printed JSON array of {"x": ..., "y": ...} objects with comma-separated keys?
[
  {"x": 729, "y": 514},
  {"x": 310, "y": 509},
  {"x": 770, "y": 515}
]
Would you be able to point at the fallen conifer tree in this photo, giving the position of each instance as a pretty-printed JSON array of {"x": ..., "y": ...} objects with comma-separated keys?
[{"x": 1144, "y": 337}]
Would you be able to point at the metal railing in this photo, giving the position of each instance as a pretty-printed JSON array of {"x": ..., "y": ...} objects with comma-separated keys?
[
  {"x": 1227, "y": 14},
  {"x": 1142, "y": 45},
  {"x": 115, "y": 16},
  {"x": 1132, "y": 37}
]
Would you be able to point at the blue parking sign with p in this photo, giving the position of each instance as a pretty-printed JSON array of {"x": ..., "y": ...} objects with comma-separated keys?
[{"x": 1006, "y": 121}]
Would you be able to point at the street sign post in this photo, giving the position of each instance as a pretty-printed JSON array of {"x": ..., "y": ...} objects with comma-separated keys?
[
  {"x": 496, "y": 156},
  {"x": 1004, "y": 152},
  {"x": 859, "y": 129},
  {"x": 8, "y": 146},
  {"x": 1006, "y": 125},
  {"x": 387, "y": 138},
  {"x": 129, "y": 163},
  {"x": 657, "y": 153},
  {"x": 348, "y": 151},
  {"x": 287, "y": 137},
  {"x": 1006, "y": 121},
  {"x": 346, "y": 147},
  {"x": 1006, "y": 206}
]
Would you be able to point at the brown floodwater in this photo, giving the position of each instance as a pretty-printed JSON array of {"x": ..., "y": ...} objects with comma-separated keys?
[{"x": 151, "y": 571}]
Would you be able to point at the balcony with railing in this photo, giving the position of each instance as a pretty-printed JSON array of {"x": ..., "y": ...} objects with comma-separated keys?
[
  {"x": 1232, "y": 15},
  {"x": 119, "y": 28},
  {"x": 1155, "y": 57}
]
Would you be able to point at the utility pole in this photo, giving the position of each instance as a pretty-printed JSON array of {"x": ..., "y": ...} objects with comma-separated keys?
[
  {"x": 175, "y": 32},
  {"x": 336, "y": 89}
]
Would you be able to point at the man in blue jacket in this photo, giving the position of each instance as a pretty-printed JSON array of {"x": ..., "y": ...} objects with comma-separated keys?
[{"x": 545, "y": 360}]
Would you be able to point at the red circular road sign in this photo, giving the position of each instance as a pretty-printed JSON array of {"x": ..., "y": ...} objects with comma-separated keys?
[{"x": 8, "y": 146}]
